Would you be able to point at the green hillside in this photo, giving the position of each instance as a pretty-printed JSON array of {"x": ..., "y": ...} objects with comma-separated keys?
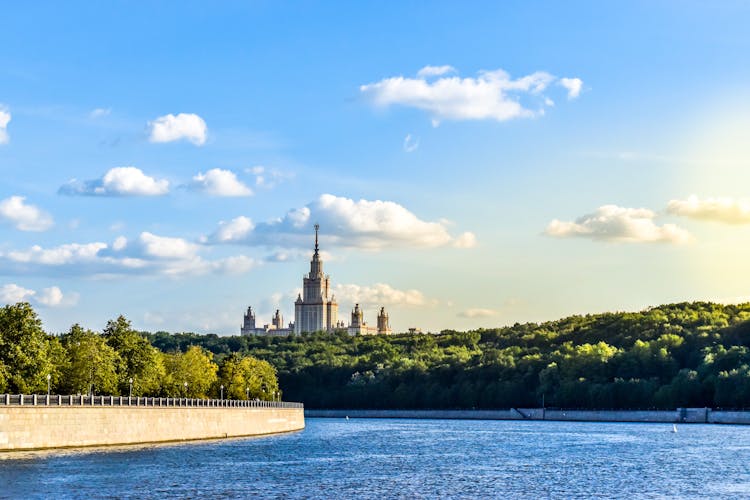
[{"x": 687, "y": 354}]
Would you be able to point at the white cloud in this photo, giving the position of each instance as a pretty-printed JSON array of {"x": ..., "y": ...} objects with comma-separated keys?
[
  {"x": 410, "y": 143},
  {"x": 720, "y": 209},
  {"x": 149, "y": 254},
  {"x": 100, "y": 113},
  {"x": 118, "y": 181},
  {"x": 429, "y": 71},
  {"x": 163, "y": 247},
  {"x": 236, "y": 229},
  {"x": 477, "y": 313},
  {"x": 4, "y": 121},
  {"x": 379, "y": 294},
  {"x": 573, "y": 86},
  {"x": 169, "y": 128},
  {"x": 373, "y": 225},
  {"x": 492, "y": 95},
  {"x": 618, "y": 224},
  {"x": 12, "y": 293},
  {"x": 48, "y": 297},
  {"x": 218, "y": 182},
  {"x": 23, "y": 216},
  {"x": 465, "y": 240}
]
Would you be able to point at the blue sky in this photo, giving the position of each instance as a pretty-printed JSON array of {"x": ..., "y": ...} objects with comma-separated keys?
[{"x": 471, "y": 164}]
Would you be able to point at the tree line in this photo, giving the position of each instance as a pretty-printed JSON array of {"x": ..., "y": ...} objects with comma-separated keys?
[
  {"x": 677, "y": 355},
  {"x": 119, "y": 361}
]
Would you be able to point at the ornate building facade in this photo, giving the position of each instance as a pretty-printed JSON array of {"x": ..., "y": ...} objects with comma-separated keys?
[{"x": 316, "y": 309}]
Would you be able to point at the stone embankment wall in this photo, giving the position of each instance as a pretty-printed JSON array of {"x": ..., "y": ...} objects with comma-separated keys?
[
  {"x": 37, "y": 427},
  {"x": 680, "y": 415}
]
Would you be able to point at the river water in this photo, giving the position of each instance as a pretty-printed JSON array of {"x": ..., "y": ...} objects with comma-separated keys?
[{"x": 394, "y": 458}]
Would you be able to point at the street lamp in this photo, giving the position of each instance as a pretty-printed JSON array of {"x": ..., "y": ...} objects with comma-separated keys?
[
  {"x": 49, "y": 377},
  {"x": 130, "y": 394},
  {"x": 185, "y": 389},
  {"x": 247, "y": 393},
  {"x": 222, "y": 392}
]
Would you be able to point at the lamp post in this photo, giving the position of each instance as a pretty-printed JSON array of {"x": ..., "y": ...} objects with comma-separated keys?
[
  {"x": 49, "y": 377},
  {"x": 222, "y": 392},
  {"x": 186, "y": 385},
  {"x": 130, "y": 394},
  {"x": 247, "y": 393}
]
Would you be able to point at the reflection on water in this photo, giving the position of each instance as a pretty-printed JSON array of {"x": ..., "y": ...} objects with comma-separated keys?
[{"x": 377, "y": 458}]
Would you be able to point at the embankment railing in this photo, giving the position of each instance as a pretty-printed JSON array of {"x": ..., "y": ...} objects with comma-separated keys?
[{"x": 80, "y": 400}]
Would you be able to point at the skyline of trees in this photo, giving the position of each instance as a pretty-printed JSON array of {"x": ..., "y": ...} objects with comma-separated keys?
[
  {"x": 687, "y": 354},
  {"x": 82, "y": 361}
]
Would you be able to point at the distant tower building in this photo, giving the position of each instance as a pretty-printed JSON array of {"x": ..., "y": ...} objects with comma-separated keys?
[
  {"x": 384, "y": 325},
  {"x": 356, "y": 317},
  {"x": 313, "y": 310},
  {"x": 278, "y": 320},
  {"x": 248, "y": 323}
]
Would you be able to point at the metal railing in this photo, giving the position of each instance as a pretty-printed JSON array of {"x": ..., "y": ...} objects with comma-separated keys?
[{"x": 80, "y": 400}]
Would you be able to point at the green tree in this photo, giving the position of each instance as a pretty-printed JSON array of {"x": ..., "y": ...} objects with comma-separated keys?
[
  {"x": 139, "y": 360},
  {"x": 92, "y": 364},
  {"x": 194, "y": 367},
  {"x": 244, "y": 376},
  {"x": 23, "y": 350}
]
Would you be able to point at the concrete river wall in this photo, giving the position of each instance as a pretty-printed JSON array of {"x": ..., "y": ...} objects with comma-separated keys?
[
  {"x": 36, "y": 422},
  {"x": 680, "y": 415}
]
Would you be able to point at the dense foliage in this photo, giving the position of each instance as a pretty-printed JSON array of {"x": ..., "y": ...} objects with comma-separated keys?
[
  {"x": 117, "y": 361},
  {"x": 689, "y": 354}
]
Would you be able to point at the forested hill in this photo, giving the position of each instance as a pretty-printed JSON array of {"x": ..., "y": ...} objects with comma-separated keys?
[{"x": 687, "y": 354}]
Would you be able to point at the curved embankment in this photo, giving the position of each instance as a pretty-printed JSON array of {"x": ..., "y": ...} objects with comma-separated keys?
[
  {"x": 680, "y": 415},
  {"x": 74, "y": 421}
]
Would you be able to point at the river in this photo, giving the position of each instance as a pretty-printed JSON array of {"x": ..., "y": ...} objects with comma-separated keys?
[{"x": 395, "y": 458}]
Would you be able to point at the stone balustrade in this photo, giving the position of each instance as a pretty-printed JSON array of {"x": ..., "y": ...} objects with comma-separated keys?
[{"x": 145, "y": 402}]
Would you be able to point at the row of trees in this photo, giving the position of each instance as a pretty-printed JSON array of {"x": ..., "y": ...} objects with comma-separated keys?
[
  {"x": 117, "y": 361},
  {"x": 688, "y": 354}
]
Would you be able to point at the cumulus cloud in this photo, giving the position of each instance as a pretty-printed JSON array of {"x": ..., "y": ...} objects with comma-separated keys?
[
  {"x": 720, "y": 209},
  {"x": 23, "y": 216},
  {"x": 379, "y": 294},
  {"x": 410, "y": 143},
  {"x": 365, "y": 224},
  {"x": 218, "y": 182},
  {"x": 169, "y": 128},
  {"x": 492, "y": 95},
  {"x": 4, "y": 121},
  {"x": 477, "y": 313},
  {"x": 618, "y": 224},
  {"x": 429, "y": 71},
  {"x": 148, "y": 254},
  {"x": 47, "y": 297},
  {"x": 100, "y": 113},
  {"x": 465, "y": 240},
  {"x": 573, "y": 86},
  {"x": 118, "y": 181}
]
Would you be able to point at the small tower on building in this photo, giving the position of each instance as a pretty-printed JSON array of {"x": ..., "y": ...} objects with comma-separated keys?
[
  {"x": 248, "y": 322},
  {"x": 384, "y": 325},
  {"x": 356, "y": 318},
  {"x": 278, "y": 320}
]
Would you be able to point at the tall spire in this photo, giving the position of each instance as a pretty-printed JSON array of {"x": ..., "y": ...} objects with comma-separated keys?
[{"x": 317, "y": 227}]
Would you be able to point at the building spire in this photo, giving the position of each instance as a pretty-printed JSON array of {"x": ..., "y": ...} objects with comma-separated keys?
[{"x": 317, "y": 227}]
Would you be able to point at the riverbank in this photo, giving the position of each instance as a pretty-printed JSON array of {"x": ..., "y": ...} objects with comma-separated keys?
[
  {"x": 679, "y": 415},
  {"x": 42, "y": 422}
]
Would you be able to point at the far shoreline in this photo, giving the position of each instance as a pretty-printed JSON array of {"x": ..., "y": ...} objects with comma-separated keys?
[{"x": 676, "y": 416}]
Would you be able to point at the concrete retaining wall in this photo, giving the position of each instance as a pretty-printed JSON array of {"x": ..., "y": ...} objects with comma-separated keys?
[
  {"x": 680, "y": 415},
  {"x": 37, "y": 427}
]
